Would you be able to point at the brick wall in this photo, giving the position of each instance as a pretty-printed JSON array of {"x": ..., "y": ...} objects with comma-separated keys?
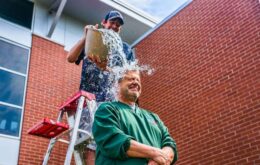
[
  {"x": 206, "y": 85},
  {"x": 51, "y": 80}
]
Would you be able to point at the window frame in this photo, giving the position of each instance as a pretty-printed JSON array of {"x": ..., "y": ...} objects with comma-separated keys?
[{"x": 25, "y": 88}]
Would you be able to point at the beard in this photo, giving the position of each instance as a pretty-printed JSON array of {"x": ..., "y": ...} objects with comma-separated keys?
[{"x": 133, "y": 96}]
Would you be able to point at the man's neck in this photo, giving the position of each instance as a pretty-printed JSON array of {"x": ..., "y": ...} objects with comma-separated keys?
[{"x": 128, "y": 102}]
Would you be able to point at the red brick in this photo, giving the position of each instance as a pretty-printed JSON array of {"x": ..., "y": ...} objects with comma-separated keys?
[
  {"x": 51, "y": 80},
  {"x": 206, "y": 84}
]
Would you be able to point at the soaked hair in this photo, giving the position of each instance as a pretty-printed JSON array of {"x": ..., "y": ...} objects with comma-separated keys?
[{"x": 123, "y": 75}]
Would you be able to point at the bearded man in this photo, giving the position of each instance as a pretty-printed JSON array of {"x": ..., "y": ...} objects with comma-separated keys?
[{"x": 126, "y": 134}]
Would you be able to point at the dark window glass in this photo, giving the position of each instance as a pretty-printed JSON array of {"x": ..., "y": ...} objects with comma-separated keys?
[
  {"x": 9, "y": 120},
  {"x": 11, "y": 88},
  {"x": 17, "y": 11},
  {"x": 13, "y": 57}
]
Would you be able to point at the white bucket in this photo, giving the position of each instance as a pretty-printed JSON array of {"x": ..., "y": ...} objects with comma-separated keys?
[{"x": 94, "y": 45}]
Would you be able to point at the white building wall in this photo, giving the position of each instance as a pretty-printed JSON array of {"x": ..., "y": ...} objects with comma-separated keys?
[
  {"x": 15, "y": 33},
  {"x": 73, "y": 32},
  {"x": 9, "y": 150},
  {"x": 67, "y": 32}
]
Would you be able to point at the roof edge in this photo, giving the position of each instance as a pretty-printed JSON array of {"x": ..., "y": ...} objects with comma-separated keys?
[{"x": 130, "y": 11}]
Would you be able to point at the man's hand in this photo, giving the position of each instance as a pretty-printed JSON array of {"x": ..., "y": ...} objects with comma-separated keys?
[
  {"x": 75, "y": 51},
  {"x": 160, "y": 158},
  {"x": 152, "y": 162},
  {"x": 157, "y": 156},
  {"x": 96, "y": 59},
  {"x": 169, "y": 152},
  {"x": 87, "y": 27}
]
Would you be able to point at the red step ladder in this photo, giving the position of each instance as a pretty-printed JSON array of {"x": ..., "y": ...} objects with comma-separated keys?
[{"x": 53, "y": 130}]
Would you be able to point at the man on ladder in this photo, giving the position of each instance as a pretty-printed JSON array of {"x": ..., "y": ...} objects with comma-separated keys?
[{"x": 94, "y": 76}]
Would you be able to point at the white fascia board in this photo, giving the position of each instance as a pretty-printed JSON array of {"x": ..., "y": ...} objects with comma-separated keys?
[
  {"x": 136, "y": 10},
  {"x": 131, "y": 12},
  {"x": 15, "y": 33}
]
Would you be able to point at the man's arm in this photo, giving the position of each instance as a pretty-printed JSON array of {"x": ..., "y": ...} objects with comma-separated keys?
[
  {"x": 110, "y": 139},
  {"x": 170, "y": 155},
  {"x": 114, "y": 143},
  {"x": 140, "y": 150},
  {"x": 76, "y": 50},
  {"x": 168, "y": 143}
]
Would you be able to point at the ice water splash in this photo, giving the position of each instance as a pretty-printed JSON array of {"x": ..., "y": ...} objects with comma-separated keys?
[
  {"x": 118, "y": 73},
  {"x": 114, "y": 44},
  {"x": 117, "y": 61},
  {"x": 118, "y": 64}
]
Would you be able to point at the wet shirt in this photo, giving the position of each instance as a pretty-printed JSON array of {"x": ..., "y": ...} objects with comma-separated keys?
[
  {"x": 116, "y": 123},
  {"x": 99, "y": 82}
]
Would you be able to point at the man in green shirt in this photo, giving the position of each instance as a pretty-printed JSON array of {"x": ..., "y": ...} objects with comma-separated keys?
[{"x": 125, "y": 134}]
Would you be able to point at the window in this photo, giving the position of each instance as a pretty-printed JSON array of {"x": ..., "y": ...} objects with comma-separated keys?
[
  {"x": 13, "y": 74},
  {"x": 13, "y": 57},
  {"x": 17, "y": 11},
  {"x": 10, "y": 120},
  {"x": 12, "y": 88}
]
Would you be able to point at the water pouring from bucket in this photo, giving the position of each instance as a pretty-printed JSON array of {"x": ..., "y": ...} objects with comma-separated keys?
[{"x": 105, "y": 48}]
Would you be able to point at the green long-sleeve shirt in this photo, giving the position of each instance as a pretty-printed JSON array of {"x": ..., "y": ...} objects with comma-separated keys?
[{"x": 116, "y": 124}]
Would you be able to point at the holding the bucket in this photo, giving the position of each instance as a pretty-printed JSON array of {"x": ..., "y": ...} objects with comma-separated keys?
[
  {"x": 95, "y": 49},
  {"x": 104, "y": 47},
  {"x": 95, "y": 75}
]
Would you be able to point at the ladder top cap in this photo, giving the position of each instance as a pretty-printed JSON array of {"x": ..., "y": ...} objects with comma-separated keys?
[{"x": 71, "y": 103}]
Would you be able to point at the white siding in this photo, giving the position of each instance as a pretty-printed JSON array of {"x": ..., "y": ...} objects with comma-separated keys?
[
  {"x": 9, "y": 151},
  {"x": 15, "y": 33},
  {"x": 67, "y": 32}
]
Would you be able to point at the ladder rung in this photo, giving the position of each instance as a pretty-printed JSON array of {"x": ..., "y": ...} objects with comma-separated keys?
[
  {"x": 83, "y": 131},
  {"x": 84, "y": 139},
  {"x": 63, "y": 133},
  {"x": 64, "y": 141}
]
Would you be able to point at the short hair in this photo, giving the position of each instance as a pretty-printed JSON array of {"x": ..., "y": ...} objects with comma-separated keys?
[{"x": 125, "y": 72}]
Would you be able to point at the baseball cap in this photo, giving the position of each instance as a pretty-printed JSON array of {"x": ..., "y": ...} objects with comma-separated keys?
[{"x": 115, "y": 14}]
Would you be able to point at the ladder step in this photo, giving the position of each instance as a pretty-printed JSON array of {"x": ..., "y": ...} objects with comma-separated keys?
[
  {"x": 48, "y": 128},
  {"x": 64, "y": 141},
  {"x": 85, "y": 139},
  {"x": 72, "y": 102},
  {"x": 83, "y": 131}
]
